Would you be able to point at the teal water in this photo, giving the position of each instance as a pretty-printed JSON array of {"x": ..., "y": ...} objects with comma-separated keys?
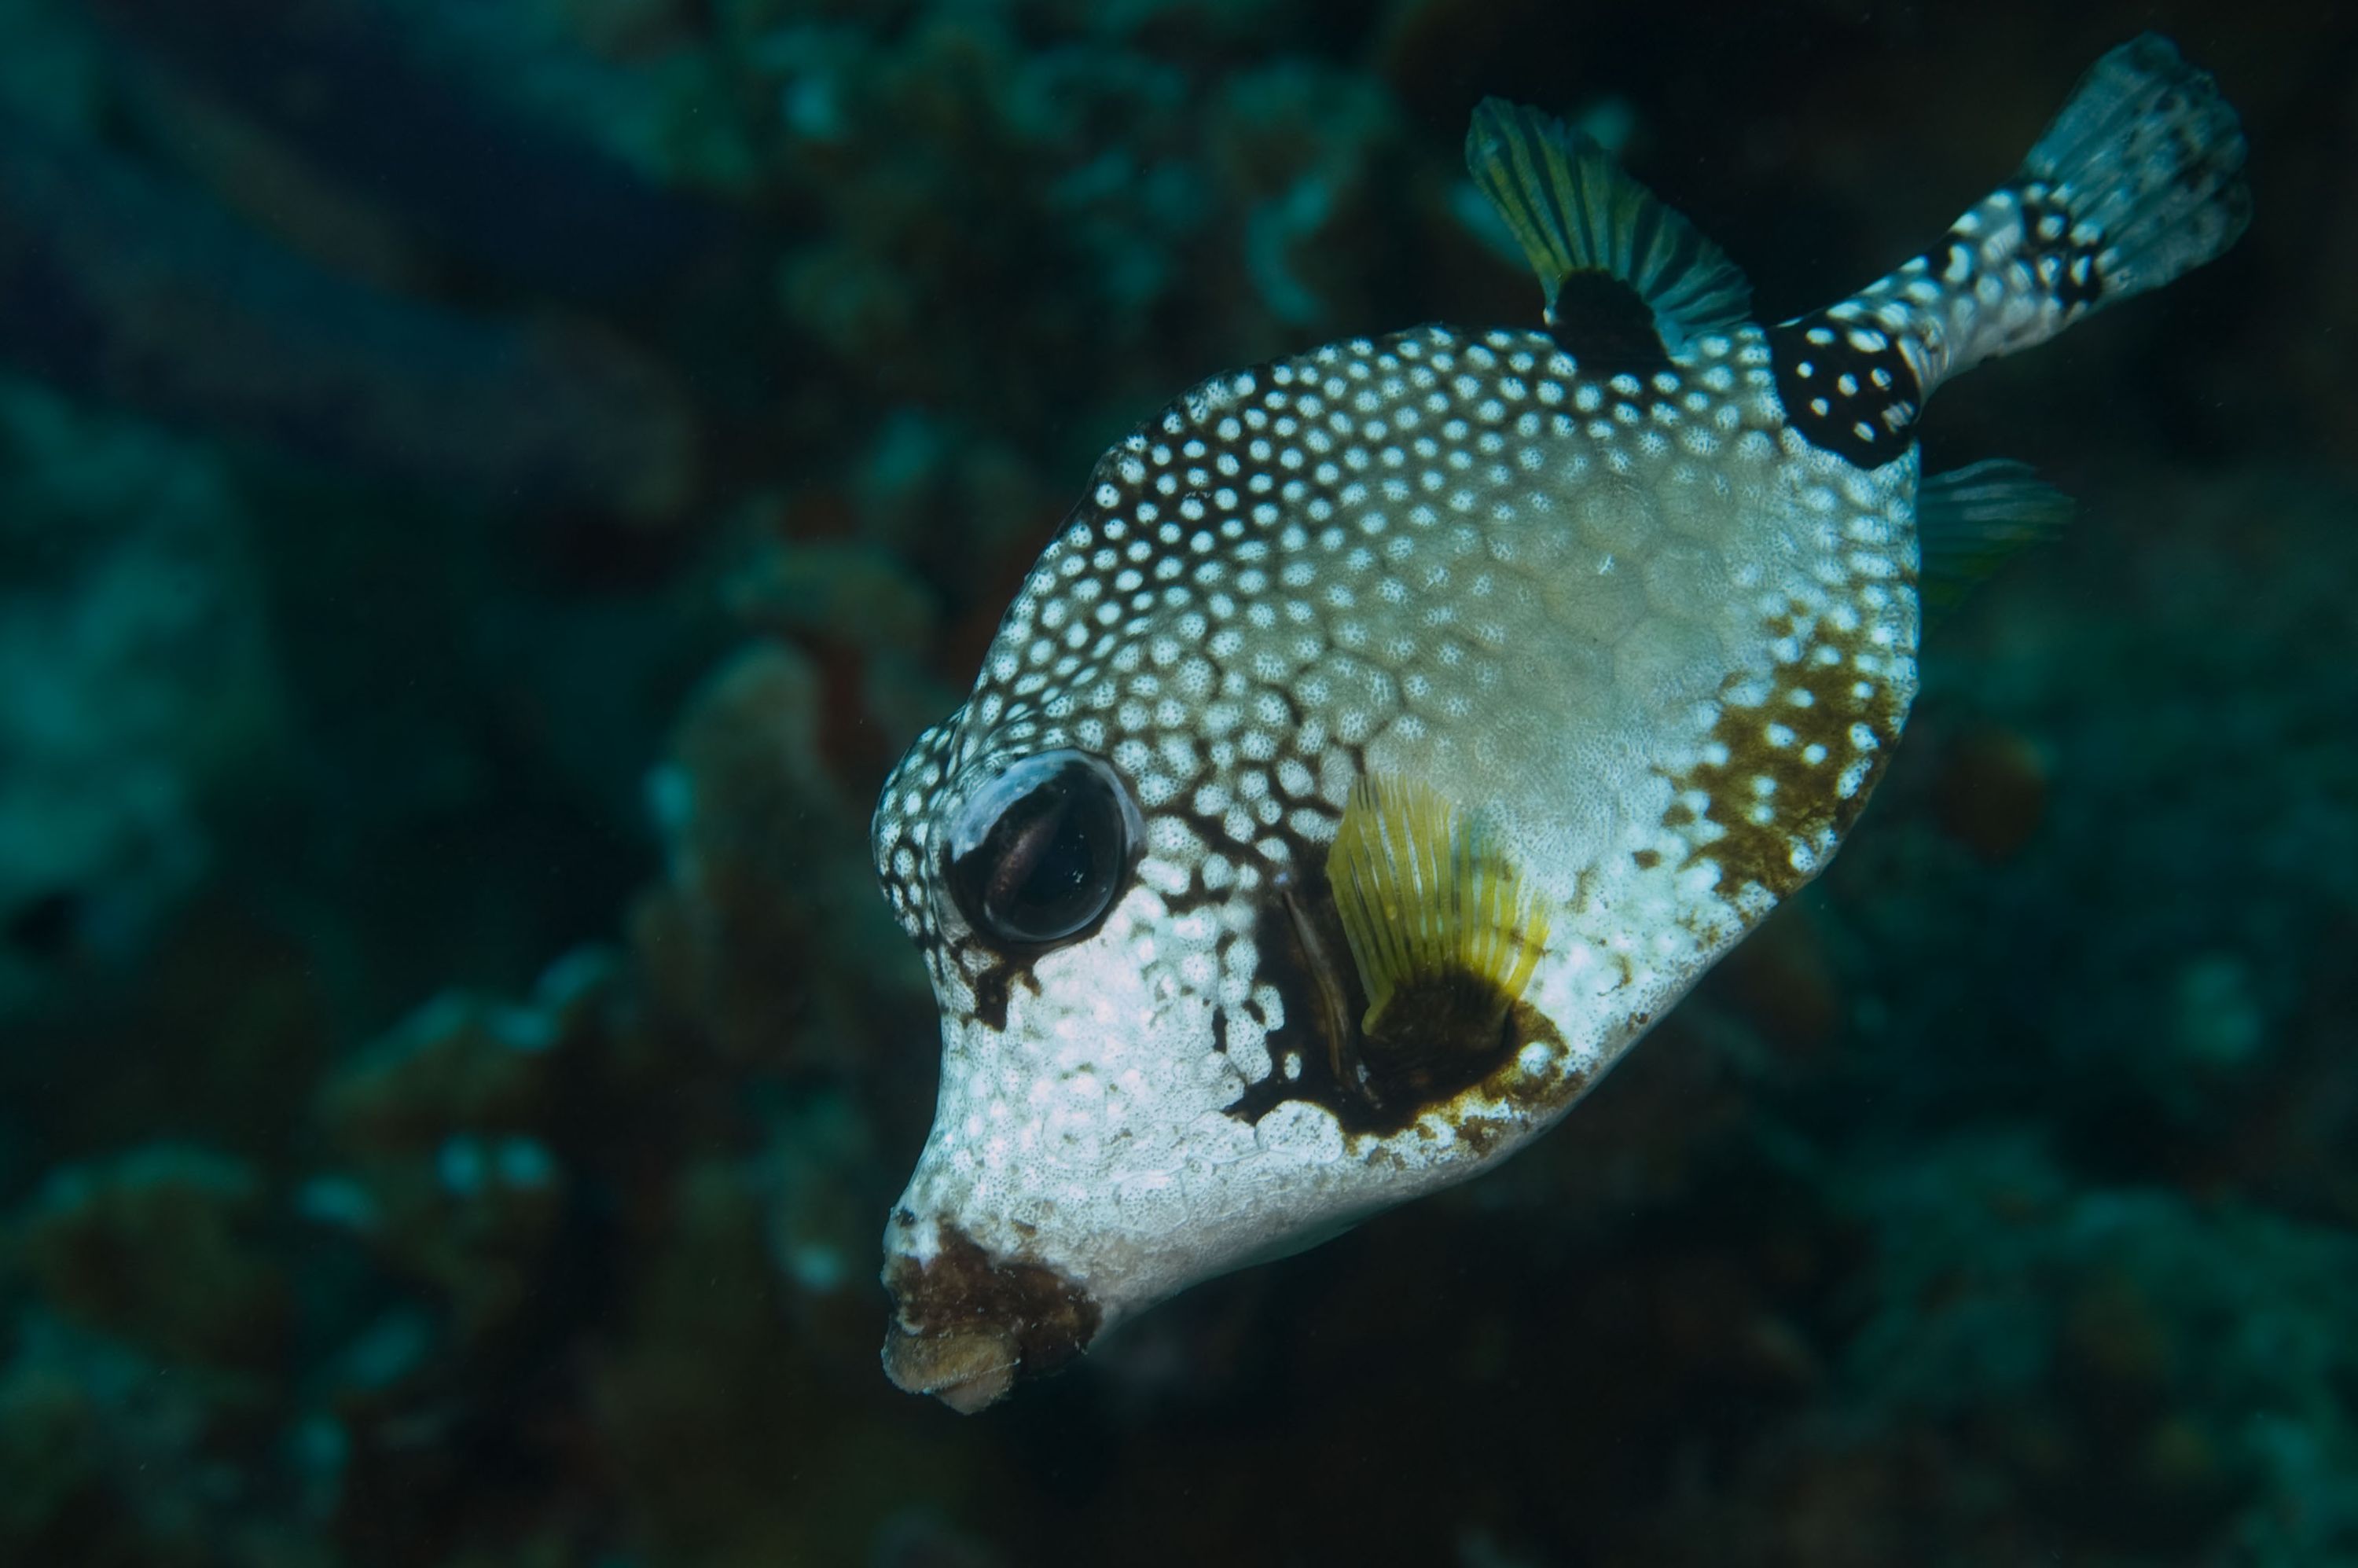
[{"x": 487, "y": 490}]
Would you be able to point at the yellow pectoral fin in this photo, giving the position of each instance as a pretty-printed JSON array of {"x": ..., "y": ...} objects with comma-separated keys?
[{"x": 1440, "y": 929}]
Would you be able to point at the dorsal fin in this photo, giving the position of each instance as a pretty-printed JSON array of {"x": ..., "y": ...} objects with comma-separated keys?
[
  {"x": 1577, "y": 211},
  {"x": 1971, "y": 521}
]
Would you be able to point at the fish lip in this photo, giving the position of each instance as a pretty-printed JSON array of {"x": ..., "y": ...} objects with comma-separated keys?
[{"x": 968, "y": 1326}]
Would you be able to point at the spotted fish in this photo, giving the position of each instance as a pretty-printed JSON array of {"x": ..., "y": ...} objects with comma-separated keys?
[{"x": 1395, "y": 732}]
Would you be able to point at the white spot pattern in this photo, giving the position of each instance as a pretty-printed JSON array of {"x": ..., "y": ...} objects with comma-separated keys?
[{"x": 1445, "y": 555}]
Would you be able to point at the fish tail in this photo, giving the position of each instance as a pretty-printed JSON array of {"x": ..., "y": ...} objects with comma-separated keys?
[
  {"x": 2148, "y": 161},
  {"x": 2137, "y": 179}
]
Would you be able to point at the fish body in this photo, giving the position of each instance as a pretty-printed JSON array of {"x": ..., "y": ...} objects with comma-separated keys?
[{"x": 1395, "y": 732}]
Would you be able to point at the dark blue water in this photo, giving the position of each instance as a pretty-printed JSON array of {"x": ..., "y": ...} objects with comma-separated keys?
[{"x": 488, "y": 487}]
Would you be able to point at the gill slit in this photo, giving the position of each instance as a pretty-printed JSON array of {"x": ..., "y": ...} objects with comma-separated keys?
[{"x": 1342, "y": 1027}]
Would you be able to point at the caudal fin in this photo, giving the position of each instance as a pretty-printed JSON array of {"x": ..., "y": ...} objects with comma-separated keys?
[
  {"x": 2138, "y": 180},
  {"x": 2147, "y": 159}
]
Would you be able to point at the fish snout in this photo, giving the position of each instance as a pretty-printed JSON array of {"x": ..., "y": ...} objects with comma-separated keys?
[{"x": 967, "y": 1323}]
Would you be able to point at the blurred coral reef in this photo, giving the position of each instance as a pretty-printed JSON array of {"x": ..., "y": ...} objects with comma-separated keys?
[{"x": 487, "y": 487}]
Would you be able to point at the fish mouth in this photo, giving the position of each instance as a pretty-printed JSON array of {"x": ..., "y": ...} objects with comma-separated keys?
[{"x": 966, "y": 1326}]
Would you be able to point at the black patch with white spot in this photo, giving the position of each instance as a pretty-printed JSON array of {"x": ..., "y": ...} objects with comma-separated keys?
[{"x": 1846, "y": 387}]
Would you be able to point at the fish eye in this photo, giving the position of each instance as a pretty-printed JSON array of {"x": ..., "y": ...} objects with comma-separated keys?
[{"x": 1040, "y": 852}]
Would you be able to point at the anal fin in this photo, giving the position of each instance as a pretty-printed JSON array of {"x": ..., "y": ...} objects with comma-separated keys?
[{"x": 1971, "y": 521}]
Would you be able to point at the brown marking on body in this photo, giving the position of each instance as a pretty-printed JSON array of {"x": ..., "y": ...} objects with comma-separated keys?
[
  {"x": 966, "y": 1326},
  {"x": 991, "y": 985},
  {"x": 1806, "y": 806},
  {"x": 1473, "y": 1113}
]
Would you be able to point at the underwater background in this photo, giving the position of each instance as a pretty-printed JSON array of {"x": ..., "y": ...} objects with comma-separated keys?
[{"x": 487, "y": 488}]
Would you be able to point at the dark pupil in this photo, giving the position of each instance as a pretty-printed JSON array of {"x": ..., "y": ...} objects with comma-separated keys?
[
  {"x": 1047, "y": 867},
  {"x": 1052, "y": 860}
]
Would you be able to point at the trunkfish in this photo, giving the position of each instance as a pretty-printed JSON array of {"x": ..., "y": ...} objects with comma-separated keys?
[{"x": 1395, "y": 732}]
